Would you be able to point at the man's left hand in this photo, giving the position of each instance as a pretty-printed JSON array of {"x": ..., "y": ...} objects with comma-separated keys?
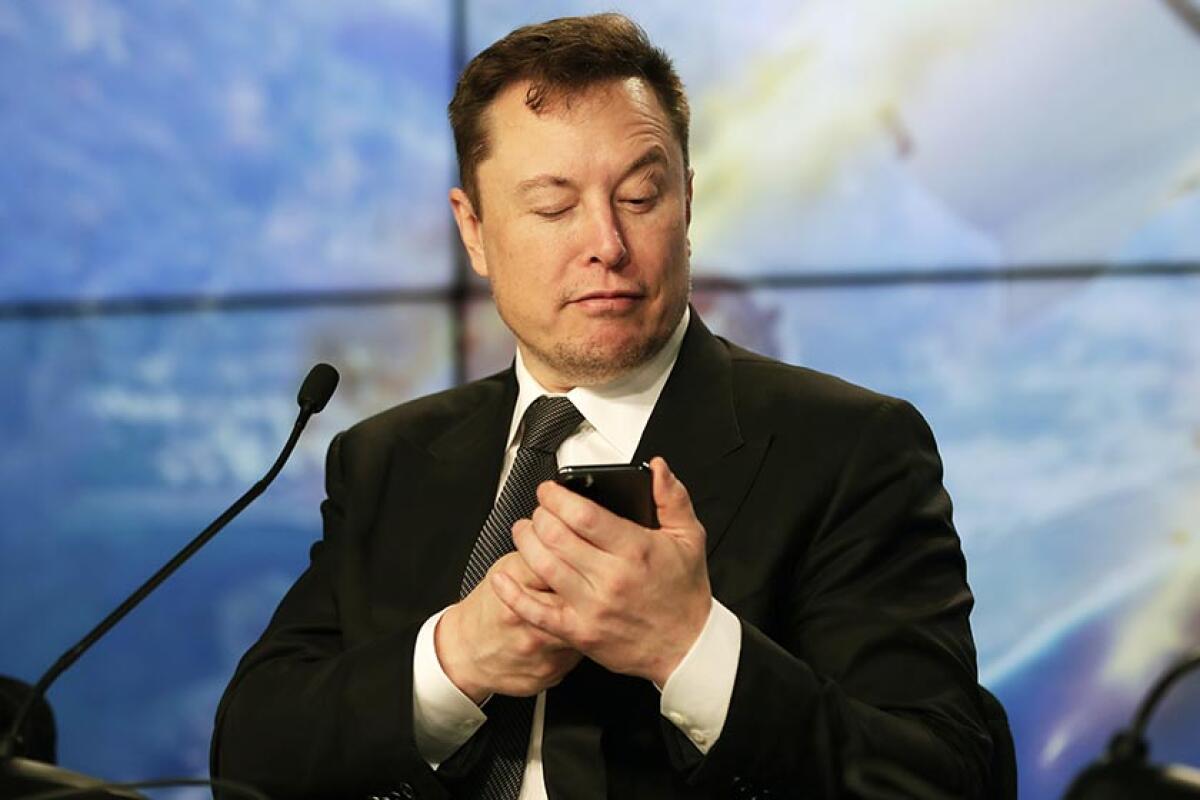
[{"x": 632, "y": 599}]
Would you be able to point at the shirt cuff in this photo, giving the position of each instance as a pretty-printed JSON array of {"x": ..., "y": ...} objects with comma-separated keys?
[
  {"x": 443, "y": 717},
  {"x": 696, "y": 696}
]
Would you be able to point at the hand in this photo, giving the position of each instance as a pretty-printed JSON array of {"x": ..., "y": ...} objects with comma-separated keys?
[
  {"x": 486, "y": 649},
  {"x": 630, "y": 598}
]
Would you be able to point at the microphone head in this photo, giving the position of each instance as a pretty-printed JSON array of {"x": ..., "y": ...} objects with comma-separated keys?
[{"x": 317, "y": 388}]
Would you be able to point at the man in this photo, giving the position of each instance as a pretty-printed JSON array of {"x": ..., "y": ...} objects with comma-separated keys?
[{"x": 467, "y": 630}]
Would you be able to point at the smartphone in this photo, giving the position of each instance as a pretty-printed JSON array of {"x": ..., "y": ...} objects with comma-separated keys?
[{"x": 624, "y": 489}]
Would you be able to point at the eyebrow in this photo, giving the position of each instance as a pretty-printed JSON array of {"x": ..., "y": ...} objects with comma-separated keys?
[
  {"x": 542, "y": 182},
  {"x": 652, "y": 157}
]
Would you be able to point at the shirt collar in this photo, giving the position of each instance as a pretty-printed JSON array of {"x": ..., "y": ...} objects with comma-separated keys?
[{"x": 617, "y": 410}]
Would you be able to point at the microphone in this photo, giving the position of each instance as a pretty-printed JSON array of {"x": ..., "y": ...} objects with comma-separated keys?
[
  {"x": 317, "y": 388},
  {"x": 314, "y": 393}
]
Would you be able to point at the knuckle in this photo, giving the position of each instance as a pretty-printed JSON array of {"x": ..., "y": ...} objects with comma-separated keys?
[
  {"x": 519, "y": 534},
  {"x": 588, "y": 639},
  {"x": 641, "y": 550},
  {"x": 531, "y": 614},
  {"x": 525, "y": 646},
  {"x": 551, "y": 570},
  {"x": 539, "y": 616},
  {"x": 508, "y": 616},
  {"x": 547, "y": 670},
  {"x": 552, "y": 536},
  {"x": 616, "y": 586},
  {"x": 586, "y": 516}
]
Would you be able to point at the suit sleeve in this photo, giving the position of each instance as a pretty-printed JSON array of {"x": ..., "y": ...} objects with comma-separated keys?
[
  {"x": 306, "y": 714},
  {"x": 874, "y": 661}
]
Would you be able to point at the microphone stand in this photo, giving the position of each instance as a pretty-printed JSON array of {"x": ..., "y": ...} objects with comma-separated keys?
[{"x": 18, "y": 775}]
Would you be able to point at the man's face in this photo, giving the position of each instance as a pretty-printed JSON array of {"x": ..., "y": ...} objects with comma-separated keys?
[{"x": 584, "y": 228}]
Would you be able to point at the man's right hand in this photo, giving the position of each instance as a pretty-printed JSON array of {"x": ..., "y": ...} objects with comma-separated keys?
[{"x": 484, "y": 648}]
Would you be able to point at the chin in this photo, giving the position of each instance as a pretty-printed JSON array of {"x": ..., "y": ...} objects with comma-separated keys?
[{"x": 603, "y": 358}]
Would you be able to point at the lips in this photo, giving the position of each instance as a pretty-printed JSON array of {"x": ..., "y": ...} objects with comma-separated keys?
[
  {"x": 629, "y": 294},
  {"x": 607, "y": 303}
]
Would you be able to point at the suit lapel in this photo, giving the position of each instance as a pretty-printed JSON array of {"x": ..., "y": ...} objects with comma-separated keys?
[
  {"x": 694, "y": 426},
  {"x": 464, "y": 472}
]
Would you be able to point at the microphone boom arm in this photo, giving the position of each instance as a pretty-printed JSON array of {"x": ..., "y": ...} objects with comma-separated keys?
[{"x": 10, "y": 744}]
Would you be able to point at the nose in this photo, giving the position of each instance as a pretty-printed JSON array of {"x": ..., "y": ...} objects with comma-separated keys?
[{"x": 606, "y": 245}]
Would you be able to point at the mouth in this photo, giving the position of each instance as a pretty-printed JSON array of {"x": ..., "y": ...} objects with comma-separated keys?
[
  {"x": 609, "y": 294},
  {"x": 607, "y": 301}
]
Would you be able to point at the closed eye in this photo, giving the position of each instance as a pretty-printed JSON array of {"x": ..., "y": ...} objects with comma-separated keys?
[
  {"x": 642, "y": 203},
  {"x": 553, "y": 213}
]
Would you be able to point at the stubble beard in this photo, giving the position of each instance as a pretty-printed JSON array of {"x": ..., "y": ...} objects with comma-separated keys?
[{"x": 593, "y": 364}]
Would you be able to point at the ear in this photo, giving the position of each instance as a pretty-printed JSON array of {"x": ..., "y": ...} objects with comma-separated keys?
[
  {"x": 690, "y": 179},
  {"x": 691, "y": 174},
  {"x": 470, "y": 229}
]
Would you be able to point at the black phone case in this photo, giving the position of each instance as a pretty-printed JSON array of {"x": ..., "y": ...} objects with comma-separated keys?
[{"x": 624, "y": 489}]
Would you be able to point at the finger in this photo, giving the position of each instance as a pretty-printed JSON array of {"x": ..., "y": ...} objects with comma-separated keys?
[
  {"x": 591, "y": 521},
  {"x": 671, "y": 499},
  {"x": 559, "y": 575},
  {"x": 483, "y": 595},
  {"x": 541, "y": 612},
  {"x": 586, "y": 559},
  {"x": 513, "y": 565},
  {"x": 507, "y": 615}
]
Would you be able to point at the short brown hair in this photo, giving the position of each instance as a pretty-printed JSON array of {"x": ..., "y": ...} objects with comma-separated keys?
[{"x": 562, "y": 55}]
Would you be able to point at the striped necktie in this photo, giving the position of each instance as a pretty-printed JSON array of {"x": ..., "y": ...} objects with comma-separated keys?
[{"x": 547, "y": 422}]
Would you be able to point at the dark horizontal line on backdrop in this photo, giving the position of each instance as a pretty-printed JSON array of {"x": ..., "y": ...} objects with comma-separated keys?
[
  {"x": 1048, "y": 272},
  {"x": 200, "y": 303},
  {"x": 266, "y": 301}
]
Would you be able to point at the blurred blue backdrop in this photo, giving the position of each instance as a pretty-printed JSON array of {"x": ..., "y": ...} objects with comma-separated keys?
[{"x": 990, "y": 208}]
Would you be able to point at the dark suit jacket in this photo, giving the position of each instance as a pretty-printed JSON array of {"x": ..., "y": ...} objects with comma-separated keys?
[{"x": 829, "y": 535}]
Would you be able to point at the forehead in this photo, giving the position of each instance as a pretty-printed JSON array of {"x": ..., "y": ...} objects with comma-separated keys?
[{"x": 604, "y": 122}]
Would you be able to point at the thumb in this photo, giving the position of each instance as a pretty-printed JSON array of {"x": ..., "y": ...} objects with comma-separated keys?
[{"x": 671, "y": 500}]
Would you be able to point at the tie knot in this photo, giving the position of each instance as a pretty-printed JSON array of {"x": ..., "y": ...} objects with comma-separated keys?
[{"x": 548, "y": 421}]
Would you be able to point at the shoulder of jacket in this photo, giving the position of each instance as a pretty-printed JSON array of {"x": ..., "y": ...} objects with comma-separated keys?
[
  {"x": 423, "y": 418},
  {"x": 767, "y": 388}
]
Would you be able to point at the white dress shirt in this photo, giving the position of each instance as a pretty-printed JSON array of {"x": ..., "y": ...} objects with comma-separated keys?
[{"x": 696, "y": 696}]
